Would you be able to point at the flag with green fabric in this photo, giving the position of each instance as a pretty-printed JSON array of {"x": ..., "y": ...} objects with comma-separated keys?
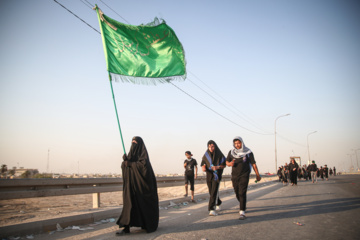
[{"x": 145, "y": 54}]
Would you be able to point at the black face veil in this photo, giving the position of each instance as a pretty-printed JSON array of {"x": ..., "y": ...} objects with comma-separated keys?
[{"x": 138, "y": 150}]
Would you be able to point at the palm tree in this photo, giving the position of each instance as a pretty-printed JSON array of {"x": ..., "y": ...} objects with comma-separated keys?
[{"x": 26, "y": 174}]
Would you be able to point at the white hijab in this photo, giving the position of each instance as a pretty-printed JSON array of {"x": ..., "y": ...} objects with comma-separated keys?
[{"x": 239, "y": 153}]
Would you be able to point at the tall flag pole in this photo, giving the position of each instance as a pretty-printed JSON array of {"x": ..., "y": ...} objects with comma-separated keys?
[
  {"x": 145, "y": 54},
  {"x": 117, "y": 115}
]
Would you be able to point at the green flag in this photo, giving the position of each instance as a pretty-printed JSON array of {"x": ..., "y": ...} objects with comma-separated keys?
[{"x": 145, "y": 54}]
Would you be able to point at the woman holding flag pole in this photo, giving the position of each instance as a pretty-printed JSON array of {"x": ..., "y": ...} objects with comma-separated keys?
[
  {"x": 140, "y": 197},
  {"x": 213, "y": 163}
]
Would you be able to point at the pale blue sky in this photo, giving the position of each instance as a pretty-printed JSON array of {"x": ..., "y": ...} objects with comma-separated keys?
[{"x": 267, "y": 58}]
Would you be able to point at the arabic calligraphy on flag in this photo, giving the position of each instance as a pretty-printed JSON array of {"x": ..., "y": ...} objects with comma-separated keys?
[{"x": 145, "y": 54}]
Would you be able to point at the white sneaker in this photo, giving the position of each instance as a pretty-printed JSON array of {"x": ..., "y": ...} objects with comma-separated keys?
[
  {"x": 242, "y": 217},
  {"x": 212, "y": 213},
  {"x": 217, "y": 208}
]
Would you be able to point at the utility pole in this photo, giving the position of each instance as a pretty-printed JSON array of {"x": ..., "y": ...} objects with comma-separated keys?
[
  {"x": 48, "y": 161},
  {"x": 357, "y": 161},
  {"x": 275, "y": 140},
  {"x": 308, "y": 146}
]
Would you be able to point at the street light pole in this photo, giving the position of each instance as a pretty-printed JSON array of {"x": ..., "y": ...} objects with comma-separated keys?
[
  {"x": 357, "y": 161},
  {"x": 351, "y": 163},
  {"x": 308, "y": 145},
  {"x": 275, "y": 140}
]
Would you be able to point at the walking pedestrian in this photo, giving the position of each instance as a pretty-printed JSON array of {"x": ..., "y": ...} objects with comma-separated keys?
[
  {"x": 279, "y": 174},
  {"x": 213, "y": 163},
  {"x": 190, "y": 175},
  {"x": 284, "y": 172},
  {"x": 334, "y": 171},
  {"x": 293, "y": 168},
  {"x": 305, "y": 174},
  {"x": 308, "y": 172},
  {"x": 321, "y": 170},
  {"x": 140, "y": 197},
  {"x": 326, "y": 172},
  {"x": 313, "y": 170},
  {"x": 241, "y": 159}
]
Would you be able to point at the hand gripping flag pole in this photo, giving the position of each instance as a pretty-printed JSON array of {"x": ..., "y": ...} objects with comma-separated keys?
[{"x": 144, "y": 54}]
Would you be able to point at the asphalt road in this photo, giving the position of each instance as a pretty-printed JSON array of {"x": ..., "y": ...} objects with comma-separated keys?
[{"x": 326, "y": 210}]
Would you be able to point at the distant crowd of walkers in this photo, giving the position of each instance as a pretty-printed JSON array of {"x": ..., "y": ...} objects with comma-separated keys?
[{"x": 292, "y": 172}]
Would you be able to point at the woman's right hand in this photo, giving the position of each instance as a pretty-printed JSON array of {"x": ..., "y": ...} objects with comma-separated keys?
[
  {"x": 125, "y": 158},
  {"x": 203, "y": 167},
  {"x": 230, "y": 164}
]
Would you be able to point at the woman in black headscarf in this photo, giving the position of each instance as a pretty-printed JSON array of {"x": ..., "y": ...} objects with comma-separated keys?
[
  {"x": 293, "y": 169},
  {"x": 140, "y": 198},
  {"x": 213, "y": 163}
]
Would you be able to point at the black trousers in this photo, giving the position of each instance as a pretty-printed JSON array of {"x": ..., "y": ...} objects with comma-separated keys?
[
  {"x": 240, "y": 185},
  {"x": 214, "y": 200},
  {"x": 293, "y": 177}
]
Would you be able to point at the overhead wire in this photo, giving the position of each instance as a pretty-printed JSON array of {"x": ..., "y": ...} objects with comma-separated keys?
[
  {"x": 86, "y": 4},
  {"x": 115, "y": 12},
  {"x": 224, "y": 105},
  {"x": 249, "y": 120},
  {"x": 77, "y": 16},
  {"x": 89, "y": 3},
  {"x": 215, "y": 111}
]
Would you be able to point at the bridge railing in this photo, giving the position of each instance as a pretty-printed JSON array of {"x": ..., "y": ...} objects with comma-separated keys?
[{"x": 33, "y": 188}]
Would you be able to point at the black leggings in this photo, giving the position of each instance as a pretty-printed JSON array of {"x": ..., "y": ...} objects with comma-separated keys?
[{"x": 240, "y": 187}]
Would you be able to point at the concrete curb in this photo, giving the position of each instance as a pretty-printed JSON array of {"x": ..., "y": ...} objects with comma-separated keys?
[{"x": 48, "y": 225}]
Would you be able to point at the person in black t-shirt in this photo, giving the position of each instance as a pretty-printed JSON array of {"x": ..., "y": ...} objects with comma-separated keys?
[
  {"x": 313, "y": 170},
  {"x": 189, "y": 165},
  {"x": 241, "y": 159}
]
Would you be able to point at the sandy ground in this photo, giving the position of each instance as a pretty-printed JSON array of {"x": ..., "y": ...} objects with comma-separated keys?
[{"x": 34, "y": 209}]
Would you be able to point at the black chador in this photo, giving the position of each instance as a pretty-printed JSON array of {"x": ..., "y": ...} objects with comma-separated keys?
[
  {"x": 140, "y": 197},
  {"x": 213, "y": 178}
]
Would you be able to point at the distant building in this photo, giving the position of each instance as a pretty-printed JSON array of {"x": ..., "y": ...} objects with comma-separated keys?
[{"x": 20, "y": 171}]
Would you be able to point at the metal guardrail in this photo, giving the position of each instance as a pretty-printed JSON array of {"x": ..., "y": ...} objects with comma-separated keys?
[{"x": 32, "y": 188}]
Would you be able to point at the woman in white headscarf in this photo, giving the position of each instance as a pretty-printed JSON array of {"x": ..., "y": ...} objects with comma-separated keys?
[{"x": 241, "y": 159}]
